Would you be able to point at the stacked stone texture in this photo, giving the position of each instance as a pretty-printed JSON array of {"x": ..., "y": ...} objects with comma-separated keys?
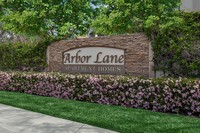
[{"x": 136, "y": 46}]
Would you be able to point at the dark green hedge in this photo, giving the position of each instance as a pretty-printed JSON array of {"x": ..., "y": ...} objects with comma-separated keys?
[
  {"x": 176, "y": 43},
  {"x": 23, "y": 57}
]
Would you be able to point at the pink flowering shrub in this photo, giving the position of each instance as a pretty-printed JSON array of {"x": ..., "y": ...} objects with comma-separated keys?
[
  {"x": 165, "y": 95},
  {"x": 5, "y": 80}
]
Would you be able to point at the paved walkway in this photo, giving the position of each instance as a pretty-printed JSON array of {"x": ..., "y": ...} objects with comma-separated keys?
[{"x": 15, "y": 120}]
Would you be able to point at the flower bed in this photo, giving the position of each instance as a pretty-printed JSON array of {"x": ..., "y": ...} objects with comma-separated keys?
[{"x": 165, "y": 95}]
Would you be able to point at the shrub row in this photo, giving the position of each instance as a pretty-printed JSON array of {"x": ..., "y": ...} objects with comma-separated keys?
[
  {"x": 176, "y": 43},
  {"x": 23, "y": 57},
  {"x": 165, "y": 95}
]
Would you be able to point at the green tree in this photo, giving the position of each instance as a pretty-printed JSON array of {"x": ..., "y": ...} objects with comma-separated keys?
[
  {"x": 128, "y": 16},
  {"x": 47, "y": 18}
]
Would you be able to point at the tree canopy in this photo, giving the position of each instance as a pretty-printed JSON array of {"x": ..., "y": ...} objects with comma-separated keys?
[
  {"x": 66, "y": 18},
  {"x": 47, "y": 18},
  {"x": 128, "y": 16}
]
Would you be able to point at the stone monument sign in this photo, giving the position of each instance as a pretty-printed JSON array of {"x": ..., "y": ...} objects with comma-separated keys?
[{"x": 118, "y": 55}]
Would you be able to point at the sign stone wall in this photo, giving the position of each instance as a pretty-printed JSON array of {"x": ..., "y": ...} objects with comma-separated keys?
[{"x": 118, "y": 55}]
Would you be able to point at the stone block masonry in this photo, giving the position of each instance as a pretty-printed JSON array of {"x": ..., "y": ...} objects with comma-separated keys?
[{"x": 137, "y": 53}]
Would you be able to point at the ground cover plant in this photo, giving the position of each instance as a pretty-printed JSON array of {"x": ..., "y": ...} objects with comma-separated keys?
[
  {"x": 165, "y": 95},
  {"x": 116, "y": 118}
]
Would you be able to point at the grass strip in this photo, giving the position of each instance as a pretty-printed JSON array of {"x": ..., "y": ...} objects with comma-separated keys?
[{"x": 123, "y": 120}]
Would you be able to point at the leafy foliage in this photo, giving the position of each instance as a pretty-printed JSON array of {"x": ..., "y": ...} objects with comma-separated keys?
[
  {"x": 47, "y": 18},
  {"x": 176, "y": 43},
  {"x": 128, "y": 16},
  {"x": 175, "y": 35},
  {"x": 24, "y": 57}
]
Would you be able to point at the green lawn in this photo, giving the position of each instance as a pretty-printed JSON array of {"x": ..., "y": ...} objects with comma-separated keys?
[{"x": 124, "y": 120}]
